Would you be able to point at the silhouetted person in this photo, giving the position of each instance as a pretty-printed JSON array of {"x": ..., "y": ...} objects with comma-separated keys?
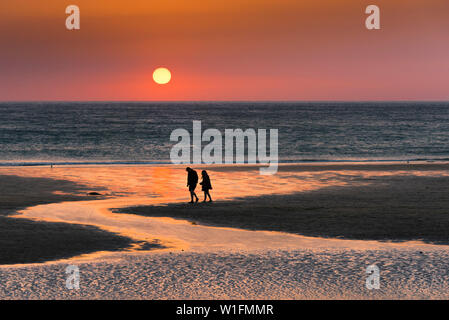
[
  {"x": 206, "y": 185},
  {"x": 192, "y": 181}
]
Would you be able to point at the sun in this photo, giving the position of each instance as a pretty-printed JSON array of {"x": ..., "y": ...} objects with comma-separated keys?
[{"x": 161, "y": 76}]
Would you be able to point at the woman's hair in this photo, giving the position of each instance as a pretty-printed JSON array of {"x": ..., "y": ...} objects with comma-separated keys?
[{"x": 204, "y": 173}]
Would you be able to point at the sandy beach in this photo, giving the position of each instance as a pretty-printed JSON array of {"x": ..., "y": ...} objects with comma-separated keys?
[
  {"x": 308, "y": 232},
  {"x": 320, "y": 129}
]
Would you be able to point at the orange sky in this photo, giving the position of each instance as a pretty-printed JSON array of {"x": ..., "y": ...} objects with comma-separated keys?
[{"x": 224, "y": 50}]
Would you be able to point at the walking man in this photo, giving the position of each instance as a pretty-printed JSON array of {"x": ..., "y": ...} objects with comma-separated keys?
[{"x": 192, "y": 181}]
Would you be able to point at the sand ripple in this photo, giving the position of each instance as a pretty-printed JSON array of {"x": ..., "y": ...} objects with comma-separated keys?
[{"x": 298, "y": 274}]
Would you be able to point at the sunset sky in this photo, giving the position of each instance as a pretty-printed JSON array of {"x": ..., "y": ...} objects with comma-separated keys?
[{"x": 224, "y": 50}]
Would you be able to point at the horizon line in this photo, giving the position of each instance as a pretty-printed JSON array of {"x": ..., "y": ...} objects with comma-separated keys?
[{"x": 227, "y": 101}]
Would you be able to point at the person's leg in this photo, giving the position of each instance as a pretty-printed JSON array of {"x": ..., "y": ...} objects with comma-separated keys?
[
  {"x": 205, "y": 196},
  {"x": 195, "y": 196},
  {"x": 192, "y": 190},
  {"x": 191, "y": 196},
  {"x": 210, "y": 199}
]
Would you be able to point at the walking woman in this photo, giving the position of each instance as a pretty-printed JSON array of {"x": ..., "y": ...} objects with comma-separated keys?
[{"x": 206, "y": 185}]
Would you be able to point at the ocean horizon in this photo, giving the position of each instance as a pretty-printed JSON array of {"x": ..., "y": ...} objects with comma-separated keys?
[{"x": 114, "y": 133}]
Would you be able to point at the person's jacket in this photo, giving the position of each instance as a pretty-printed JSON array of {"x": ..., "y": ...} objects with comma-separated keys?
[{"x": 192, "y": 178}]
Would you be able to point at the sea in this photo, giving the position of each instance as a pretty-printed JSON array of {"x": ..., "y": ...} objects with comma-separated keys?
[{"x": 72, "y": 133}]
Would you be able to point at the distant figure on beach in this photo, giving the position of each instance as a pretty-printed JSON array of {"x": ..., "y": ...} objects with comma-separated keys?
[
  {"x": 206, "y": 185},
  {"x": 192, "y": 181}
]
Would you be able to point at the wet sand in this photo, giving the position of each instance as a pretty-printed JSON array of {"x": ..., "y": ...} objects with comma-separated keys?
[
  {"x": 27, "y": 241},
  {"x": 403, "y": 207},
  {"x": 208, "y": 253}
]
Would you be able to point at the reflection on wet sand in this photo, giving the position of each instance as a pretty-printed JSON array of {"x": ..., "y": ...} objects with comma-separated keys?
[
  {"x": 127, "y": 186},
  {"x": 167, "y": 183}
]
